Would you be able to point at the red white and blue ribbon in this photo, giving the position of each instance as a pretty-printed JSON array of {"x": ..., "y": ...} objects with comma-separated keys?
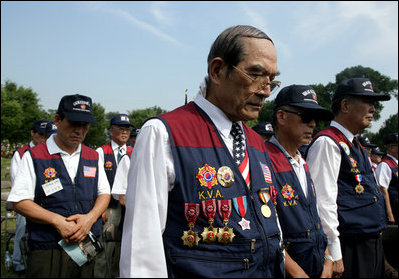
[{"x": 240, "y": 205}]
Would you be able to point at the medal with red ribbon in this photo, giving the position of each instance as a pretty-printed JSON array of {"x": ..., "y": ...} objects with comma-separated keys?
[
  {"x": 209, "y": 209},
  {"x": 225, "y": 235},
  {"x": 191, "y": 213},
  {"x": 240, "y": 205},
  {"x": 265, "y": 197},
  {"x": 273, "y": 194}
]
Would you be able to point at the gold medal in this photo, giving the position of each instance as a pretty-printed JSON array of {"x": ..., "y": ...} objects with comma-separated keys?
[
  {"x": 209, "y": 234},
  {"x": 190, "y": 238},
  {"x": 225, "y": 176},
  {"x": 266, "y": 211},
  {"x": 359, "y": 189},
  {"x": 225, "y": 235}
]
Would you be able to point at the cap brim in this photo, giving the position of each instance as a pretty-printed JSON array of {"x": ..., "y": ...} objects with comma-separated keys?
[
  {"x": 320, "y": 112},
  {"x": 378, "y": 153},
  {"x": 80, "y": 117}
]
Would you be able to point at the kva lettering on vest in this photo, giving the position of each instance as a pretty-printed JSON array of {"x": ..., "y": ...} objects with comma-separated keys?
[
  {"x": 290, "y": 203},
  {"x": 202, "y": 195}
]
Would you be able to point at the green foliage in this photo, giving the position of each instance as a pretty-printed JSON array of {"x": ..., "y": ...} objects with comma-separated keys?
[
  {"x": 19, "y": 109},
  {"x": 139, "y": 116},
  {"x": 390, "y": 126},
  {"x": 97, "y": 132}
]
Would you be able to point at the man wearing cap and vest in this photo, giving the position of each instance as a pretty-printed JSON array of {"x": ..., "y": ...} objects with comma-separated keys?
[
  {"x": 387, "y": 177},
  {"x": 196, "y": 201},
  {"x": 295, "y": 114},
  {"x": 62, "y": 191},
  {"x": 110, "y": 154},
  {"x": 350, "y": 204},
  {"x": 264, "y": 129},
  {"x": 376, "y": 156},
  {"x": 38, "y": 133}
]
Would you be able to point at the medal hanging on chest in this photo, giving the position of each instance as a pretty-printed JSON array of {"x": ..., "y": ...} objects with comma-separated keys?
[
  {"x": 225, "y": 234},
  {"x": 265, "y": 197},
  {"x": 209, "y": 209},
  {"x": 359, "y": 188},
  {"x": 240, "y": 205},
  {"x": 191, "y": 212}
]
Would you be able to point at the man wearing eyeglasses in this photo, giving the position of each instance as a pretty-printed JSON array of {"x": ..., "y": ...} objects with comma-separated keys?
[
  {"x": 191, "y": 210},
  {"x": 110, "y": 154},
  {"x": 295, "y": 114},
  {"x": 350, "y": 203}
]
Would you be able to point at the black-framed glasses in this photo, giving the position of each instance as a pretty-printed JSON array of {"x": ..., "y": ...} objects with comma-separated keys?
[
  {"x": 306, "y": 117},
  {"x": 260, "y": 81}
]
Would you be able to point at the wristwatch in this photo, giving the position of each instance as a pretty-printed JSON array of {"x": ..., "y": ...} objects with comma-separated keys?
[{"x": 328, "y": 257}]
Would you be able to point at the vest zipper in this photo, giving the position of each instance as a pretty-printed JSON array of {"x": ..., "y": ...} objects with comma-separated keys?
[
  {"x": 253, "y": 240},
  {"x": 246, "y": 263}
]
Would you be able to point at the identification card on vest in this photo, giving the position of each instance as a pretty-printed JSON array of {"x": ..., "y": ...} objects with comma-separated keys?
[{"x": 52, "y": 187}]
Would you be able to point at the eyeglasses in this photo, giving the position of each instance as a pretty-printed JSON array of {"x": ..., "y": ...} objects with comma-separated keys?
[
  {"x": 306, "y": 117},
  {"x": 261, "y": 81},
  {"x": 122, "y": 129}
]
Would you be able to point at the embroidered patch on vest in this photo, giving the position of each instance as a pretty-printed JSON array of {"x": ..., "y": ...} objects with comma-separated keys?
[
  {"x": 345, "y": 147},
  {"x": 89, "y": 171},
  {"x": 287, "y": 192},
  {"x": 50, "y": 173},
  {"x": 207, "y": 176}
]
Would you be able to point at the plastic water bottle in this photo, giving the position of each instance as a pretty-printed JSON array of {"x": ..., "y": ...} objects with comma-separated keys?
[{"x": 7, "y": 260}]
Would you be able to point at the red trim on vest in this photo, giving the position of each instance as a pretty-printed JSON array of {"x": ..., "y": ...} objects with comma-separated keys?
[
  {"x": 391, "y": 163},
  {"x": 41, "y": 152},
  {"x": 279, "y": 161},
  {"x": 108, "y": 149},
  {"x": 190, "y": 123},
  {"x": 22, "y": 150}
]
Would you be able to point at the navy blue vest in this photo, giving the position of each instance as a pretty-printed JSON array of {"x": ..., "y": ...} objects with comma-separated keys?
[
  {"x": 303, "y": 236},
  {"x": 360, "y": 212},
  {"x": 110, "y": 167},
  {"x": 393, "y": 186},
  {"x": 76, "y": 197},
  {"x": 110, "y": 163},
  {"x": 196, "y": 143}
]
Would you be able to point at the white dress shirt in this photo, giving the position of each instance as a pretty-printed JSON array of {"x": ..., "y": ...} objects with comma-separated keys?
[
  {"x": 383, "y": 173},
  {"x": 15, "y": 160},
  {"x": 324, "y": 161},
  {"x": 115, "y": 149},
  {"x": 151, "y": 177},
  {"x": 25, "y": 180}
]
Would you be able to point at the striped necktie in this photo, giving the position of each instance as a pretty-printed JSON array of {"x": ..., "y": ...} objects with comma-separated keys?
[
  {"x": 240, "y": 153},
  {"x": 120, "y": 153}
]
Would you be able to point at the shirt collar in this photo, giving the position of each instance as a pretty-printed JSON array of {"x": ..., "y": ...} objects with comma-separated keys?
[
  {"x": 114, "y": 145},
  {"x": 393, "y": 158},
  {"x": 53, "y": 148},
  {"x": 219, "y": 118},
  {"x": 343, "y": 130},
  {"x": 274, "y": 140},
  {"x": 31, "y": 144}
]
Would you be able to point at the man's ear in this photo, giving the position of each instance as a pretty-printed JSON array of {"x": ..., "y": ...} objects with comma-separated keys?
[{"x": 217, "y": 70}]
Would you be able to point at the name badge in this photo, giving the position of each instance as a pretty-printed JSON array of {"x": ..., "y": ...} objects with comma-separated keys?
[{"x": 52, "y": 187}]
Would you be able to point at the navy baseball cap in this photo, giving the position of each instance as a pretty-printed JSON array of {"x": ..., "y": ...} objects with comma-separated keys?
[
  {"x": 39, "y": 126},
  {"x": 121, "y": 120},
  {"x": 364, "y": 141},
  {"x": 391, "y": 138},
  {"x": 376, "y": 150},
  {"x": 51, "y": 128},
  {"x": 77, "y": 108},
  {"x": 264, "y": 128},
  {"x": 361, "y": 87},
  {"x": 302, "y": 96}
]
